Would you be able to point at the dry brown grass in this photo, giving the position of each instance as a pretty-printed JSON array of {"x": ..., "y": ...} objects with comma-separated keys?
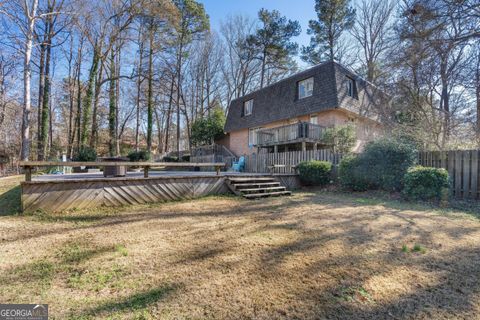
[{"x": 310, "y": 256}]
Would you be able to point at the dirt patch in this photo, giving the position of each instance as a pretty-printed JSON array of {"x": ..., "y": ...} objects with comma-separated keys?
[{"x": 309, "y": 256}]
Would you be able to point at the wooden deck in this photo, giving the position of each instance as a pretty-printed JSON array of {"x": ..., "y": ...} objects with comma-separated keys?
[{"x": 56, "y": 193}]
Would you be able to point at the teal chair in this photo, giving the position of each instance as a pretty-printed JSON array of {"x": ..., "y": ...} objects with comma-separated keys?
[{"x": 239, "y": 165}]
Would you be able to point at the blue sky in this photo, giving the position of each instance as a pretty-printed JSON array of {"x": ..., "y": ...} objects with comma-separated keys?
[{"x": 301, "y": 10}]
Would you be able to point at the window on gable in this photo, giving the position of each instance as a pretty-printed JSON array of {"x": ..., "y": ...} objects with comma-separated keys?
[
  {"x": 248, "y": 107},
  {"x": 305, "y": 88},
  {"x": 351, "y": 87}
]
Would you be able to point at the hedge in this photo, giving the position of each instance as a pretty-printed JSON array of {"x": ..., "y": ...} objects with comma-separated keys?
[
  {"x": 382, "y": 165},
  {"x": 425, "y": 183},
  {"x": 351, "y": 175},
  {"x": 314, "y": 173}
]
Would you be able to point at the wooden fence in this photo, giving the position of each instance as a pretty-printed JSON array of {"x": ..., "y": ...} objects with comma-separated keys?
[
  {"x": 462, "y": 167},
  {"x": 261, "y": 163}
]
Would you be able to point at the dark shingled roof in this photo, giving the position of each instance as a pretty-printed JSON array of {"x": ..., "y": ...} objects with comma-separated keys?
[{"x": 279, "y": 101}]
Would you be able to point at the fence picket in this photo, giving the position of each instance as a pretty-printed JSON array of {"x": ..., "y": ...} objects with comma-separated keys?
[
  {"x": 474, "y": 175},
  {"x": 462, "y": 166},
  {"x": 466, "y": 174}
]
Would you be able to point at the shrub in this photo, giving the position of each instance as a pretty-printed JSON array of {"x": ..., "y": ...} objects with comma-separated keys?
[
  {"x": 206, "y": 130},
  {"x": 425, "y": 183},
  {"x": 314, "y": 173},
  {"x": 386, "y": 161},
  {"x": 382, "y": 165},
  {"x": 86, "y": 154},
  {"x": 341, "y": 138},
  {"x": 186, "y": 158},
  {"x": 170, "y": 159},
  {"x": 351, "y": 174},
  {"x": 137, "y": 156}
]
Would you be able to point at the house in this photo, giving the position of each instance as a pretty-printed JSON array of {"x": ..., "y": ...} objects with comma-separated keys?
[{"x": 292, "y": 114}]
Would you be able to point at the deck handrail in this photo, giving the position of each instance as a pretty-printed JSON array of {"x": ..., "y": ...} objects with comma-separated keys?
[
  {"x": 290, "y": 132},
  {"x": 146, "y": 165}
]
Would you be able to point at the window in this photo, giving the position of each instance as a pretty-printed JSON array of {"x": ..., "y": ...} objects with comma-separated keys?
[
  {"x": 305, "y": 88},
  {"x": 314, "y": 119},
  {"x": 351, "y": 87},
  {"x": 248, "y": 107},
  {"x": 252, "y": 136}
]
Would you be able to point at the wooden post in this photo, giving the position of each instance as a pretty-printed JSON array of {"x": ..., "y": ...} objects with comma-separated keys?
[
  {"x": 28, "y": 173},
  {"x": 145, "y": 171},
  {"x": 315, "y": 146},
  {"x": 275, "y": 149},
  {"x": 304, "y": 146}
]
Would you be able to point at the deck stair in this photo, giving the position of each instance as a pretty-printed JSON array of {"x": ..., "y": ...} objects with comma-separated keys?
[{"x": 254, "y": 187}]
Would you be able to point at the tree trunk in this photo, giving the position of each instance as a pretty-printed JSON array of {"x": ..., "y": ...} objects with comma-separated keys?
[
  {"x": 41, "y": 89},
  {"x": 179, "y": 85},
  {"x": 94, "y": 135},
  {"x": 117, "y": 101},
  {"x": 262, "y": 74},
  {"x": 71, "y": 93},
  {"x": 477, "y": 92},
  {"x": 27, "y": 74},
  {"x": 445, "y": 103},
  {"x": 112, "y": 106},
  {"x": 150, "y": 91},
  {"x": 159, "y": 130},
  {"x": 87, "y": 106},
  {"x": 42, "y": 151},
  {"x": 169, "y": 113},
  {"x": 139, "y": 88},
  {"x": 79, "y": 97}
]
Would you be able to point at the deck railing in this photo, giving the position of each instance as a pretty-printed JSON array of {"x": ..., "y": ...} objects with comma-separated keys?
[
  {"x": 290, "y": 133},
  {"x": 28, "y": 165}
]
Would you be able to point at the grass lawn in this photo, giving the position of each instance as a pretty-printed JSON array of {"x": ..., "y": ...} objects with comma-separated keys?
[{"x": 313, "y": 255}]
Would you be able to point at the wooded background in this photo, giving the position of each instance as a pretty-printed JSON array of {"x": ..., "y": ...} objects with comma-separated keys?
[{"x": 121, "y": 75}]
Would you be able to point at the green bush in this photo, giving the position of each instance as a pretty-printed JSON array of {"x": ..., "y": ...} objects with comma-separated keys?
[
  {"x": 85, "y": 154},
  {"x": 386, "y": 161},
  {"x": 206, "y": 130},
  {"x": 341, "y": 138},
  {"x": 352, "y": 175},
  {"x": 314, "y": 173},
  {"x": 425, "y": 183},
  {"x": 137, "y": 156},
  {"x": 170, "y": 159},
  {"x": 186, "y": 158},
  {"x": 382, "y": 165}
]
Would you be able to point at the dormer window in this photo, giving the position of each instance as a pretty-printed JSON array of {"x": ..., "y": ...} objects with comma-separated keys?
[
  {"x": 305, "y": 88},
  {"x": 248, "y": 107},
  {"x": 351, "y": 87}
]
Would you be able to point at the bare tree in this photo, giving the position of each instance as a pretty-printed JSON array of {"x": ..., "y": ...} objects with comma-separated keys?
[{"x": 372, "y": 30}]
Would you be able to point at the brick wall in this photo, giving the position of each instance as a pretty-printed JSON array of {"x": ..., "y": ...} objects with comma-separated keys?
[{"x": 367, "y": 130}]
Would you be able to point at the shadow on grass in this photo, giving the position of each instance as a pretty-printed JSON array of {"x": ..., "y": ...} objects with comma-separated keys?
[
  {"x": 136, "y": 301},
  {"x": 396, "y": 202},
  {"x": 77, "y": 252},
  {"x": 10, "y": 202}
]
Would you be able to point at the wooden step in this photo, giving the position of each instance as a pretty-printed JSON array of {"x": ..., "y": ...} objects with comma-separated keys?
[
  {"x": 279, "y": 188},
  {"x": 267, "y": 194},
  {"x": 240, "y": 186},
  {"x": 249, "y": 179}
]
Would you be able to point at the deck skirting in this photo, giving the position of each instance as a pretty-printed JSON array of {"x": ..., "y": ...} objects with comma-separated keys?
[
  {"x": 68, "y": 194},
  {"x": 54, "y": 196}
]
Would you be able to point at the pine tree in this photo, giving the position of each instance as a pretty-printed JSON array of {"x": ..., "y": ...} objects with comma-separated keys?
[
  {"x": 334, "y": 17},
  {"x": 271, "y": 42}
]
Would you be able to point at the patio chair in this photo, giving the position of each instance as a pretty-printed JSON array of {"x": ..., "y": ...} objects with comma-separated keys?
[{"x": 239, "y": 165}]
